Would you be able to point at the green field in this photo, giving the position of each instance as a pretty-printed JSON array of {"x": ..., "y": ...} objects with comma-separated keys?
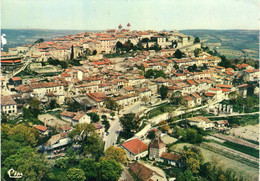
[{"x": 234, "y": 40}]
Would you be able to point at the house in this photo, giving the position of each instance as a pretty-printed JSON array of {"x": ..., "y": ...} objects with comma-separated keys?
[
  {"x": 100, "y": 129},
  {"x": 42, "y": 129},
  {"x": 197, "y": 98},
  {"x": 217, "y": 92},
  {"x": 127, "y": 99},
  {"x": 144, "y": 173},
  {"x": 201, "y": 122},
  {"x": 8, "y": 105},
  {"x": 189, "y": 101},
  {"x": 15, "y": 81},
  {"x": 65, "y": 128},
  {"x": 144, "y": 92},
  {"x": 97, "y": 98},
  {"x": 156, "y": 148},
  {"x": 56, "y": 145},
  {"x": 75, "y": 117},
  {"x": 242, "y": 89},
  {"x": 171, "y": 159},
  {"x": 221, "y": 123},
  {"x": 135, "y": 149}
]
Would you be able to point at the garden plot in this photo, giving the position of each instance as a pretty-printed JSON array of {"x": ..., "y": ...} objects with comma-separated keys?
[
  {"x": 214, "y": 138},
  {"x": 250, "y": 132},
  {"x": 236, "y": 140}
]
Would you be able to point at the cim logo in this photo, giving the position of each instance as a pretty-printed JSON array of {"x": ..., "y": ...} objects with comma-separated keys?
[
  {"x": 3, "y": 41},
  {"x": 14, "y": 174}
]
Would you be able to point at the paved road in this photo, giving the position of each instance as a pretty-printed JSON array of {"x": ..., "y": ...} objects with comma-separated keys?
[{"x": 115, "y": 126}]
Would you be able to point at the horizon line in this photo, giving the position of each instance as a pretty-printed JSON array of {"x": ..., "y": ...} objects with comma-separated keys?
[{"x": 132, "y": 30}]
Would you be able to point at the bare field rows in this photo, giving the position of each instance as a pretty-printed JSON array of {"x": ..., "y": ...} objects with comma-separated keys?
[{"x": 236, "y": 140}]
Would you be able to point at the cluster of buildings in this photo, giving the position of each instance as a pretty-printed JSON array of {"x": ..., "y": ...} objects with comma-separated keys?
[{"x": 118, "y": 78}]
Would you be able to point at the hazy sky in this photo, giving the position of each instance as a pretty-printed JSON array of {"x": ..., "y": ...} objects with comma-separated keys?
[{"x": 142, "y": 14}]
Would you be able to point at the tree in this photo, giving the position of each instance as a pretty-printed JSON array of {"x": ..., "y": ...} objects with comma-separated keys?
[
  {"x": 3, "y": 117},
  {"x": 145, "y": 99},
  {"x": 225, "y": 62},
  {"x": 112, "y": 114},
  {"x": 94, "y": 52},
  {"x": 33, "y": 166},
  {"x": 35, "y": 107},
  {"x": 150, "y": 73},
  {"x": 151, "y": 135},
  {"x": 39, "y": 41},
  {"x": 159, "y": 73},
  {"x": 62, "y": 162},
  {"x": 176, "y": 66},
  {"x": 163, "y": 91},
  {"x": 85, "y": 135},
  {"x": 90, "y": 168},
  {"x": 119, "y": 46},
  {"x": 197, "y": 40},
  {"x": 94, "y": 117},
  {"x": 72, "y": 53},
  {"x": 177, "y": 98},
  {"x": 111, "y": 104},
  {"x": 106, "y": 123},
  {"x": 31, "y": 135},
  {"x": 193, "y": 68},
  {"x": 75, "y": 174},
  {"x": 233, "y": 95},
  {"x": 115, "y": 153},
  {"x": 129, "y": 123},
  {"x": 110, "y": 170},
  {"x": 53, "y": 104},
  {"x": 73, "y": 106},
  {"x": 197, "y": 51},
  {"x": 178, "y": 54},
  {"x": 192, "y": 158}
]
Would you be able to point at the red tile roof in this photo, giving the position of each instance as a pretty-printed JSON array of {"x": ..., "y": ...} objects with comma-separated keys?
[
  {"x": 16, "y": 78},
  {"x": 65, "y": 127},
  {"x": 98, "y": 96},
  {"x": 135, "y": 146},
  {"x": 171, "y": 156},
  {"x": 209, "y": 94},
  {"x": 224, "y": 86},
  {"x": 7, "y": 100},
  {"x": 41, "y": 128}
]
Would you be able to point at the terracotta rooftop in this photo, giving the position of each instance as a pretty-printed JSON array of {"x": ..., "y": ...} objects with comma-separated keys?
[
  {"x": 41, "y": 128},
  {"x": 171, "y": 156},
  {"x": 135, "y": 146},
  {"x": 142, "y": 172},
  {"x": 7, "y": 100},
  {"x": 67, "y": 114},
  {"x": 209, "y": 94},
  {"x": 224, "y": 86},
  {"x": 98, "y": 126},
  {"x": 16, "y": 78},
  {"x": 157, "y": 143},
  {"x": 98, "y": 96},
  {"x": 65, "y": 127}
]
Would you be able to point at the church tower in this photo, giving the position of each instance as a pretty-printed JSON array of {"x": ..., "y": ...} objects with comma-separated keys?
[
  {"x": 156, "y": 148},
  {"x": 120, "y": 27},
  {"x": 128, "y": 26}
]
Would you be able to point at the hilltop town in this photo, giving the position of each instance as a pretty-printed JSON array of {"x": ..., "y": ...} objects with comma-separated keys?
[{"x": 150, "y": 101}]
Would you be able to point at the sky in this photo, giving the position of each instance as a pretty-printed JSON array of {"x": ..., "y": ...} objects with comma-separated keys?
[{"x": 141, "y": 14}]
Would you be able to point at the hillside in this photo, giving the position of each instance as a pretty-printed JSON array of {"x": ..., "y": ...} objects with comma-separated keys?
[{"x": 232, "y": 43}]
